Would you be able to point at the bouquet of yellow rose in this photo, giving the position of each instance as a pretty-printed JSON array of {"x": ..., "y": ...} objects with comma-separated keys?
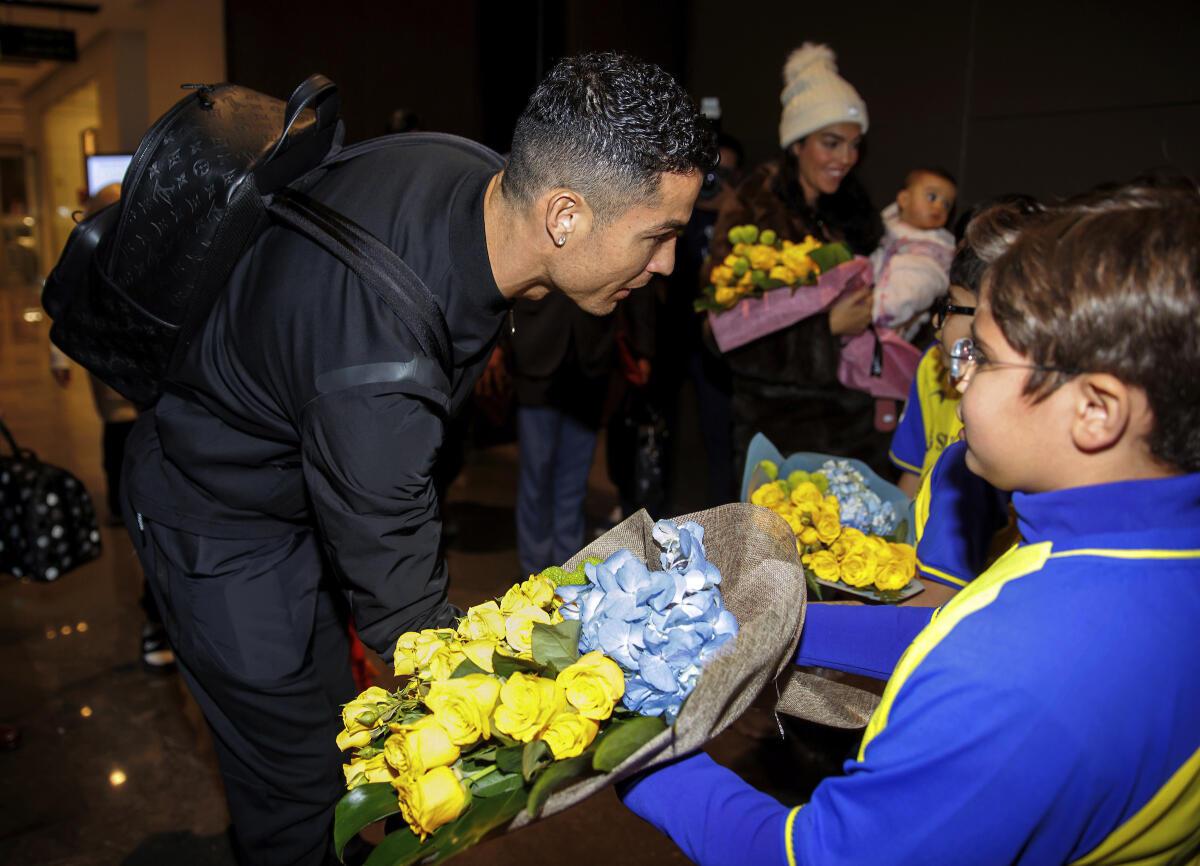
[
  {"x": 831, "y": 551},
  {"x": 569, "y": 673},
  {"x": 762, "y": 261}
]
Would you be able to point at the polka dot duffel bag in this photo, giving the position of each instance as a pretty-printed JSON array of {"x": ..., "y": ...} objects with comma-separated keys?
[{"x": 47, "y": 522}]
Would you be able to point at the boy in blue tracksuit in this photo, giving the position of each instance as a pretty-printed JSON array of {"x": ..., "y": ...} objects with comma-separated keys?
[{"x": 1049, "y": 713}]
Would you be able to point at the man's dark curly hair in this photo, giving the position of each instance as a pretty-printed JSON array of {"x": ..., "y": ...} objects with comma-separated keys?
[{"x": 608, "y": 125}]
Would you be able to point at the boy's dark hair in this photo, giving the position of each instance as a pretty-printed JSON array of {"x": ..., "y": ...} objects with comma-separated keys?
[
  {"x": 1111, "y": 284},
  {"x": 936, "y": 171},
  {"x": 608, "y": 125},
  {"x": 988, "y": 231}
]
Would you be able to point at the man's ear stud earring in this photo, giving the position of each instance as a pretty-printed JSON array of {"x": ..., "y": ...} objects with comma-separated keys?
[{"x": 562, "y": 239}]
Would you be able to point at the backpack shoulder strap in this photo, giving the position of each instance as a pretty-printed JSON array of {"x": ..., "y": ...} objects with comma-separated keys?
[{"x": 376, "y": 264}]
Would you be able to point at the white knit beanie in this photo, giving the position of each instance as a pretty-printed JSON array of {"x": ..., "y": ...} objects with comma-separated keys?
[{"x": 815, "y": 96}]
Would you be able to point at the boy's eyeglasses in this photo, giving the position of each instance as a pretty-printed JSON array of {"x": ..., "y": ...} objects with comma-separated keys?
[
  {"x": 943, "y": 308},
  {"x": 965, "y": 356}
]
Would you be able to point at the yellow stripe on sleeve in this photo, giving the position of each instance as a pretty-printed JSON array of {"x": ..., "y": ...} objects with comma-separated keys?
[{"x": 788, "y": 829}]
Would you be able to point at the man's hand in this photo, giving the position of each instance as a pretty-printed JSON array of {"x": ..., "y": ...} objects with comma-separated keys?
[{"x": 851, "y": 314}]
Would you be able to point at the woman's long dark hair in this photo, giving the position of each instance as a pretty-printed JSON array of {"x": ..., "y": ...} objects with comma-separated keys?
[{"x": 848, "y": 213}]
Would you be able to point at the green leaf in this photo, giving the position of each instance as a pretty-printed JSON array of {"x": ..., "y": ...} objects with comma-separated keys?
[
  {"x": 402, "y": 847},
  {"x": 624, "y": 738},
  {"x": 465, "y": 667},
  {"x": 361, "y": 807},
  {"x": 830, "y": 256},
  {"x": 508, "y": 759},
  {"x": 535, "y": 755},
  {"x": 497, "y": 783},
  {"x": 485, "y": 755},
  {"x": 553, "y": 778},
  {"x": 556, "y": 646},
  {"x": 506, "y": 666}
]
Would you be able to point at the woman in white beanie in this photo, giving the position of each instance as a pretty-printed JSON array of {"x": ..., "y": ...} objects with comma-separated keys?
[{"x": 785, "y": 384}]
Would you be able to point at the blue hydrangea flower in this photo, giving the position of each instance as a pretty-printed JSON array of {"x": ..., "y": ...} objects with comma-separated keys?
[
  {"x": 659, "y": 626},
  {"x": 860, "y": 507}
]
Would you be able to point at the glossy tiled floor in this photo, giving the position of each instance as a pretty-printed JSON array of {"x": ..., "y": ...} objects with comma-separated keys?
[{"x": 115, "y": 765}]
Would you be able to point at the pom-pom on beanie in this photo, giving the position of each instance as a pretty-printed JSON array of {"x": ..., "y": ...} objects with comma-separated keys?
[{"x": 815, "y": 96}]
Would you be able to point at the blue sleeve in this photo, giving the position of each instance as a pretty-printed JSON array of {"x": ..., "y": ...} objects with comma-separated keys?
[
  {"x": 908, "y": 442},
  {"x": 859, "y": 639},
  {"x": 965, "y": 513},
  {"x": 967, "y": 771}
]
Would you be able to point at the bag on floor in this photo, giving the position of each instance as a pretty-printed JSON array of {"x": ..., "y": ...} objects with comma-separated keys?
[{"x": 49, "y": 525}]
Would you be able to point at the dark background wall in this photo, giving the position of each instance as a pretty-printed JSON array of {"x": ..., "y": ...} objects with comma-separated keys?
[{"x": 1040, "y": 97}]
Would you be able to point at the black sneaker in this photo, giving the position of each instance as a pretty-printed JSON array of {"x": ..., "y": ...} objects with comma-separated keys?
[{"x": 157, "y": 656}]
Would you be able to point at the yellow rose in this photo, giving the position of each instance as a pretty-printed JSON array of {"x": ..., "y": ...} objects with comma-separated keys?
[
  {"x": 806, "y": 494},
  {"x": 830, "y": 504},
  {"x": 593, "y": 685},
  {"x": 824, "y": 565},
  {"x": 568, "y": 734},
  {"x": 893, "y": 574},
  {"x": 762, "y": 258},
  {"x": 809, "y": 536},
  {"x": 464, "y": 706},
  {"x": 733, "y": 258},
  {"x": 482, "y": 622},
  {"x": 746, "y": 281},
  {"x": 722, "y": 275},
  {"x": 360, "y": 717},
  {"x": 828, "y": 527},
  {"x": 784, "y": 274},
  {"x": 849, "y": 539},
  {"x": 725, "y": 296},
  {"x": 899, "y": 569},
  {"x": 906, "y": 552},
  {"x": 419, "y": 747},
  {"x": 514, "y": 599},
  {"x": 795, "y": 521},
  {"x": 415, "y": 649},
  {"x": 442, "y": 664},
  {"x": 429, "y": 801},
  {"x": 859, "y": 565},
  {"x": 769, "y": 495},
  {"x": 527, "y": 704},
  {"x": 795, "y": 258},
  {"x": 364, "y": 771},
  {"x": 539, "y": 590},
  {"x": 518, "y": 626},
  {"x": 481, "y": 652}
]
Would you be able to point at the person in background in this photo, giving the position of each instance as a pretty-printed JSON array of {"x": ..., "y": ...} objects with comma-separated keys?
[
  {"x": 930, "y": 419},
  {"x": 785, "y": 384},
  {"x": 1006, "y": 719},
  {"x": 912, "y": 262},
  {"x": 117, "y": 415},
  {"x": 683, "y": 352},
  {"x": 562, "y": 362}
]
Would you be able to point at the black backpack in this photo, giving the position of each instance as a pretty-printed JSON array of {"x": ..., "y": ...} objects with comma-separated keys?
[{"x": 137, "y": 280}]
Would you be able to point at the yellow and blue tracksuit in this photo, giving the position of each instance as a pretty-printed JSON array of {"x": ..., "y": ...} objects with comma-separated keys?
[
  {"x": 957, "y": 516},
  {"x": 1048, "y": 714},
  {"x": 930, "y": 419}
]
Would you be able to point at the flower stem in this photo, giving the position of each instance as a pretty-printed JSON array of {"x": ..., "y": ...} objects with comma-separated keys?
[{"x": 479, "y": 774}]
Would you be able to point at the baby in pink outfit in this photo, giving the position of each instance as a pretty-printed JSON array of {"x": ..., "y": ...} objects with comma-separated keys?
[{"x": 912, "y": 262}]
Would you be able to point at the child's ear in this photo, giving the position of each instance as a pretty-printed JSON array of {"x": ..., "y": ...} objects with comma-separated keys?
[
  {"x": 1104, "y": 412},
  {"x": 903, "y": 199}
]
